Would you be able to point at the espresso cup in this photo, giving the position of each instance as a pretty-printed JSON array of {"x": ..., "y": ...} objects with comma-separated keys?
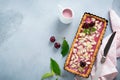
[{"x": 65, "y": 14}]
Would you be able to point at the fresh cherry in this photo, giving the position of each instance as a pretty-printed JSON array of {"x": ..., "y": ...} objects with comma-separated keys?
[
  {"x": 91, "y": 24},
  {"x": 82, "y": 63},
  {"x": 85, "y": 25},
  {"x": 57, "y": 45},
  {"x": 52, "y": 39}
]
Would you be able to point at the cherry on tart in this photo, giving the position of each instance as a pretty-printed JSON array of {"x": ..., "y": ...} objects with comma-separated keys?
[
  {"x": 85, "y": 25},
  {"x": 92, "y": 24},
  {"x": 85, "y": 45},
  {"x": 82, "y": 63}
]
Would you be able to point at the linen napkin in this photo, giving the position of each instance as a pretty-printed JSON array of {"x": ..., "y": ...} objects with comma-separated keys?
[
  {"x": 109, "y": 71},
  {"x": 115, "y": 24}
]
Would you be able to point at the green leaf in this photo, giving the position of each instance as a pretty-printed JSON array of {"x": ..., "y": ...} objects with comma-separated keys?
[
  {"x": 93, "y": 29},
  {"x": 86, "y": 31},
  {"x": 65, "y": 48},
  {"x": 55, "y": 67},
  {"x": 57, "y": 78},
  {"x": 47, "y": 75}
]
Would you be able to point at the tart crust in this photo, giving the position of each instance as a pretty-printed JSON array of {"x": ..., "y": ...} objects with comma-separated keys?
[{"x": 66, "y": 67}]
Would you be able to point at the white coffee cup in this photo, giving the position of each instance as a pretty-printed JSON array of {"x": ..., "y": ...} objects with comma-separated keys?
[{"x": 65, "y": 14}]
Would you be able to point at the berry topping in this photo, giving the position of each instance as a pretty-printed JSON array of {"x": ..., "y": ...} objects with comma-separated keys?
[
  {"x": 91, "y": 24},
  {"x": 85, "y": 25},
  {"x": 52, "y": 39},
  {"x": 88, "y": 25},
  {"x": 82, "y": 63},
  {"x": 57, "y": 45}
]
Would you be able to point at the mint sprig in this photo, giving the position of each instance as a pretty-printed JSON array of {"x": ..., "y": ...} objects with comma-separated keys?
[
  {"x": 89, "y": 30},
  {"x": 93, "y": 29},
  {"x": 55, "y": 70},
  {"x": 86, "y": 31},
  {"x": 65, "y": 48},
  {"x": 47, "y": 75},
  {"x": 55, "y": 67}
]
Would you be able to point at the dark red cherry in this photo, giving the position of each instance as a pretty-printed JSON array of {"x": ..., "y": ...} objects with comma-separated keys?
[
  {"x": 85, "y": 25},
  {"x": 82, "y": 63},
  {"x": 52, "y": 39},
  {"x": 57, "y": 45},
  {"x": 91, "y": 24}
]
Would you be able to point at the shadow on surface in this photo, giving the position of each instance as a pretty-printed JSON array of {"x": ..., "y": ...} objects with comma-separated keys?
[
  {"x": 61, "y": 27},
  {"x": 9, "y": 23},
  {"x": 65, "y": 75}
]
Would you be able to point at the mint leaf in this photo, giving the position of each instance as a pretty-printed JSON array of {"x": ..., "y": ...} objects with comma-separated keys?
[
  {"x": 93, "y": 29},
  {"x": 55, "y": 67},
  {"x": 65, "y": 48},
  {"x": 86, "y": 31},
  {"x": 47, "y": 75}
]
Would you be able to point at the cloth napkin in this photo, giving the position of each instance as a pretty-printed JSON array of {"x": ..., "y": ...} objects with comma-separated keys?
[
  {"x": 108, "y": 71},
  {"x": 115, "y": 24}
]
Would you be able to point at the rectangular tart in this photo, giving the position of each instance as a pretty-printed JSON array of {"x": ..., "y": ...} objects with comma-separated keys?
[{"x": 85, "y": 45}]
